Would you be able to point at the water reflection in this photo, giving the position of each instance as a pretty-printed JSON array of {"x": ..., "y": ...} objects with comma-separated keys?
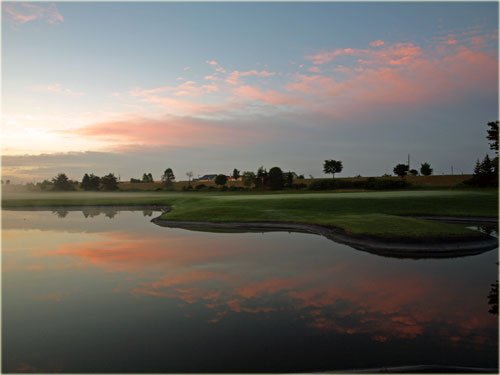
[
  {"x": 194, "y": 301},
  {"x": 61, "y": 213}
]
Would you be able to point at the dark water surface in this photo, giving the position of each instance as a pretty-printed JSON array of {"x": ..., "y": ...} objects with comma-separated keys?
[{"x": 112, "y": 292}]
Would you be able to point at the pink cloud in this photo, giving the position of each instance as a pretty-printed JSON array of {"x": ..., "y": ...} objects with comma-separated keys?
[
  {"x": 28, "y": 12},
  {"x": 272, "y": 97},
  {"x": 216, "y": 66},
  {"x": 401, "y": 74},
  {"x": 397, "y": 54},
  {"x": 377, "y": 43},
  {"x": 314, "y": 69},
  {"x": 187, "y": 98},
  {"x": 169, "y": 131},
  {"x": 235, "y": 76},
  {"x": 328, "y": 56}
]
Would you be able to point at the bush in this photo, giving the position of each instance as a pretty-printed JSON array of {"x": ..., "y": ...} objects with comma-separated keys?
[
  {"x": 298, "y": 186},
  {"x": 200, "y": 187},
  {"x": 385, "y": 184},
  {"x": 371, "y": 183}
]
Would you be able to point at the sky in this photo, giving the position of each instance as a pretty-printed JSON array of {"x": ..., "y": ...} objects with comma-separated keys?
[{"x": 133, "y": 88}]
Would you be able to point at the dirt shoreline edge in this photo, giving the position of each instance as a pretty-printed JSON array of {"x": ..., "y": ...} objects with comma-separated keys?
[{"x": 443, "y": 248}]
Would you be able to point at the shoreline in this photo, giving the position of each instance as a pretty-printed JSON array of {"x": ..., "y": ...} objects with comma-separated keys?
[{"x": 400, "y": 248}]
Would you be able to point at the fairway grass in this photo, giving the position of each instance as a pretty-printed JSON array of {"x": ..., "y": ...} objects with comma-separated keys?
[{"x": 377, "y": 214}]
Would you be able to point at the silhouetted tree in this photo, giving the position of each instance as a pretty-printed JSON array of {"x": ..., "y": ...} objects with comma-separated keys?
[
  {"x": 236, "y": 174},
  {"x": 401, "y": 170},
  {"x": 189, "y": 176},
  {"x": 275, "y": 179},
  {"x": 248, "y": 178},
  {"x": 147, "y": 177},
  {"x": 85, "y": 182},
  {"x": 425, "y": 169},
  {"x": 91, "y": 182},
  {"x": 288, "y": 177},
  {"x": 221, "y": 179},
  {"x": 109, "y": 182},
  {"x": 413, "y": 172},
  {"x": 261, "y": 178},
  {"x": 62, "y": 183},
  {"x": 168, "y": 176},
  {"x": 493, "y": 135},
  {"x": 486, "y": 168},
  {"x": 332, "y": 167}
]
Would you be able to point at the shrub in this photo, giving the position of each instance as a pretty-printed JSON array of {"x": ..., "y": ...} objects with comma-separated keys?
[{"x": 371, "y": 183}]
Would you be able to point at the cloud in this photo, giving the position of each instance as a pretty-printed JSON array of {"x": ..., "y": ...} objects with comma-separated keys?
[
  {"x": 57, "y": 88},
  {"x": 377, "y": 43},
  {"x": 235, "y": 76},
  {"x": 396, "y": 76},
  {"x": 169, "y": 131},
  {"x": 27, "y": 12},
  {"x": 314, "y": 69},
  {"x": 272, "y": 97},
  {"x": 325, "y": 57},
  {"x": 216, "y": 66}
]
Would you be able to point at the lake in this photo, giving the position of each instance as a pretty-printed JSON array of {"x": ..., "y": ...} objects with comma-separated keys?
[{"x": 109, "y": 291}]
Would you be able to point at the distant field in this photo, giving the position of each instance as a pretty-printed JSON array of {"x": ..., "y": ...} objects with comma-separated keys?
[{"x": 381, "y": 214}]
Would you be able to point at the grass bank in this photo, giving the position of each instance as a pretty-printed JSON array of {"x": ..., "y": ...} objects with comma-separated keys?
[{"x": 378, "y": 214}]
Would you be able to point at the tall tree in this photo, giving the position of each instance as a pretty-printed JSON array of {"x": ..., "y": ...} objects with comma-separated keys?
[
  {"x": 289, "y": 176},
  {"x": 236, "y": 174},
  {"x": 109, "y": 182},
  {"x": 487, "y": 167},
  {"x": 168, "y": 176},
  {"x": 94, "y": 182},
  {"x": 275, "y": 179},
  {"x": 85, "y": 184},
  {"x": 332, "y": 167},
  {"x": 401, "y": 170},
  {"x": 62, "y": 182},
  {"x": 90, "y": 182},
  {"x": 425, "y": 169},
  {"x": 189, "y": 176},
  {"x": 147, "y": 177},
  {"x": 260, "y": 180},
  {"x": 493, "y": 135}
]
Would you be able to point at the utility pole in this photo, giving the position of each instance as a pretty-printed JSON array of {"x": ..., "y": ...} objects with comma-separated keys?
[{"x": 408, "y": 161}]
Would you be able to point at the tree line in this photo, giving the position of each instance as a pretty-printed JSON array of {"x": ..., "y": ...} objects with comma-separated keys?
[{"x": 485, "y": 174}]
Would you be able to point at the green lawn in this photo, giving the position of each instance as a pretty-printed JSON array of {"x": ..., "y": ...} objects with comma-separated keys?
[{"x": 380, "y": 214}]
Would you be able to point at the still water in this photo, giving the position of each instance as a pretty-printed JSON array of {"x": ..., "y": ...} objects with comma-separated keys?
[{"x": 97, "y": 291}]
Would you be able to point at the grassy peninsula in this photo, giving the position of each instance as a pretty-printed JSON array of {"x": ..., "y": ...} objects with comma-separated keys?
[{"x": 380, "y": 214}]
